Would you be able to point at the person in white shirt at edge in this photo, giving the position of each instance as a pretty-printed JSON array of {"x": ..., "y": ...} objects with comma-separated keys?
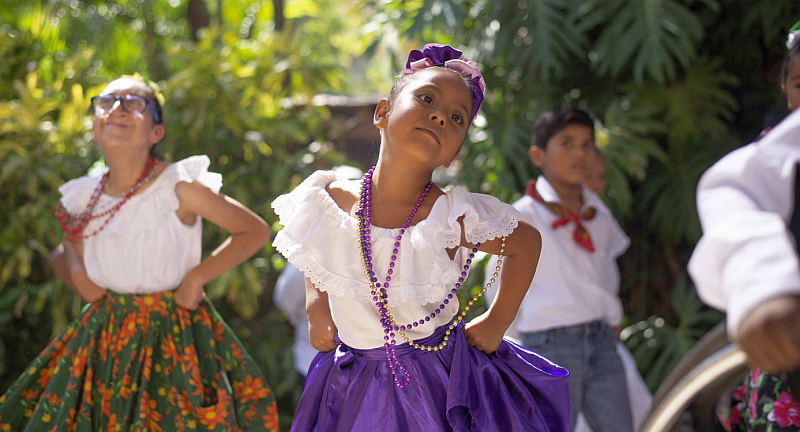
[
  {"x": 572, "y": 309},
  {"x": 290, "y": 298},
  {"x": 747, "y": 264}
]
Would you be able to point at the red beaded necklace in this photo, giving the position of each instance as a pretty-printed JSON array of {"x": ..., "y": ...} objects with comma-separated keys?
[{"x": 74, "y": 224}]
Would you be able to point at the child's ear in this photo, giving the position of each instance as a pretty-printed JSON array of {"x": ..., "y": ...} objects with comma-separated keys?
[
  {"x": 157, "y": 134},
  {"x": 381, "y": 113},
  {"x": 447, "y": 165},
  {"x": 536, "y": 154}
]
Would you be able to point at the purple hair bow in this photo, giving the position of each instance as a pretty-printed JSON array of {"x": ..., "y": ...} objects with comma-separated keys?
[{"x": 449, "y": 57}]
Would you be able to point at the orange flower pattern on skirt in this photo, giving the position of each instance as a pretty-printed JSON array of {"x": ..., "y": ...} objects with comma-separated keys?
[{"x": 141, "y": 363}]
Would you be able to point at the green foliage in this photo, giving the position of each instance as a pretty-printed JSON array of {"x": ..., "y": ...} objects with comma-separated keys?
[
  {"x": 547, "y": 38},
  {"x": 238, "y": 92},
  {"x": 658, "y": 346},
  {"x": 660, "y": 36}
]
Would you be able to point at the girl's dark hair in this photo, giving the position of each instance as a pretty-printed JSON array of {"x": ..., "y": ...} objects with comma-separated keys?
[
  {"x": 557, "y": 118},
  {"x": 150, "y": 94},
  {"x": 404, "y": 79},
  {"x": 791, "y": 55}
]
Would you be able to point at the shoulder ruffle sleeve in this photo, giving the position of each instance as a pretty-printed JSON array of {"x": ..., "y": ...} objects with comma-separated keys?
[
  {"x": 156, "y": 202},
  {"x": 484, "y": 218},
  {"x": 195, "y": 168},
  {"x": 75, "y": 194},
  {"x": 315, "y": 232}
]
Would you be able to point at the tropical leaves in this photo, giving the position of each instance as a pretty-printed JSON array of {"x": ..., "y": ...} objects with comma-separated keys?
[
  {"x": 659, "y": 36},
  {"x": 545, "y": 35},
  {"x": 657, "y": 345}
]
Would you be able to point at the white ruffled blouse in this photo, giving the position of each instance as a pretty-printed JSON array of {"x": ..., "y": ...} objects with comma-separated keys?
[
  {"x": 145, "y": 248},
  {"x": 321, "y": 239}
]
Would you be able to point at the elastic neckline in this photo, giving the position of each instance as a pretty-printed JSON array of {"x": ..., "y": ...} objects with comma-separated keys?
[
  {"x": 331, "y": 203},
  {"x": 144, "y": 192}
]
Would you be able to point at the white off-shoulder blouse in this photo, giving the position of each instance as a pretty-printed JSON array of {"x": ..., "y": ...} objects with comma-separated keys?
[
  {"x": 321, "y": 239},
  {"x": 145, "y": 248}
]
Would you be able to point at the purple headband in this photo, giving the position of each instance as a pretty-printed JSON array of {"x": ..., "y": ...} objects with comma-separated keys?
[{"x": 450, "y": 58}]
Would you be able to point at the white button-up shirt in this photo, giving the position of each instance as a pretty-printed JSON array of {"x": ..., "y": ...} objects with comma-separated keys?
[
  {"x": 747, "y": 254},
  {"x": 572, "y": 285}
]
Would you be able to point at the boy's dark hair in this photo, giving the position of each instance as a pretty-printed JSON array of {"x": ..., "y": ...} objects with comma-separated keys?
[
  {"x": 557, "y": 118},
  {"x": 791, "y": 56}
]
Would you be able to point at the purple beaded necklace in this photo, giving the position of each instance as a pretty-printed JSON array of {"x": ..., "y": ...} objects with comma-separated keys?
[{"x": 379, "y": 291}]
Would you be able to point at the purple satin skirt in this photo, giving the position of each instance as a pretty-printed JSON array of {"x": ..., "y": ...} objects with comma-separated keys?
[{"x": 457, "y": 389}]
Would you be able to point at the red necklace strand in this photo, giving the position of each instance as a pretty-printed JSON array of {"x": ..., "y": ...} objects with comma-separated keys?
[{"x": 74, "y": 224}]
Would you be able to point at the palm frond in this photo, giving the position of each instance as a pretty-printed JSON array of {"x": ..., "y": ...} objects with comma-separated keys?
[{"x": 652, "y": 38}]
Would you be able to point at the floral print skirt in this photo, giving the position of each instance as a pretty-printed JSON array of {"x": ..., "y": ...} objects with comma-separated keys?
[
  {"x": 141, "y": 363},
  {"x": 762, "y": 403}
]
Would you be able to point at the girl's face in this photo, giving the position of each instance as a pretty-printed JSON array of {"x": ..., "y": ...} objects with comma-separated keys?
[
  {"x": 791, "y": 87},
  {"x": 118, "y": 128},
  {"x": 429, "y": 118}
]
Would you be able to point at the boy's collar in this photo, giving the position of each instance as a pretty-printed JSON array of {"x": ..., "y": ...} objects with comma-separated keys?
[{"x": 549, "y": 194}]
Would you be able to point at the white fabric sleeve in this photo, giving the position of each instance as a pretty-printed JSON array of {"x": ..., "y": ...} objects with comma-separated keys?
[
  {"x": 618, "y": 240},
  {"x": 290, "y": 295},
  {"x": 195, "y": 168},
  {"x": 747, "y": 254},
  {"x": 75, "y": 194}
]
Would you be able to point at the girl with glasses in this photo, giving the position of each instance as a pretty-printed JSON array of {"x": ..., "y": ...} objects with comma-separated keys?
[{"x": 149, "y": 352}]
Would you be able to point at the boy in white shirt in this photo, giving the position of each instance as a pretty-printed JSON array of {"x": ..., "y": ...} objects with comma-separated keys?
[{"x": 572, "y": 306}]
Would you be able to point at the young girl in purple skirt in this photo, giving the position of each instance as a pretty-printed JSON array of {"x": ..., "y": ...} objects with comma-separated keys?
[{"x": 383, "y": 258}]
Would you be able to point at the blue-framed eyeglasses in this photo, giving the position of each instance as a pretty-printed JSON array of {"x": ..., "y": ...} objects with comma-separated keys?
[{"x": 104, "y": 103}]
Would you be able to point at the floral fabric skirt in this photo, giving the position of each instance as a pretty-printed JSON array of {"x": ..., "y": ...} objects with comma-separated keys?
[
  {"x": 762, "y": 403},
  {"x": 141, "y": 363}
]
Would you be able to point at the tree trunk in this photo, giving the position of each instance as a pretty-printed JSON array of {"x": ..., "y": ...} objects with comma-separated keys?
[
  {"x": 277, "y": 5},
  {"x": 151, "y": 53},
  {"x": 198, "y": 17}
]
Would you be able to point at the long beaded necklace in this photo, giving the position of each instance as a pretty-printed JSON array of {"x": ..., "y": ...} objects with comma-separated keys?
[
  {"x": 74, "y": 224},
  {"x": 380, "y": 293}
]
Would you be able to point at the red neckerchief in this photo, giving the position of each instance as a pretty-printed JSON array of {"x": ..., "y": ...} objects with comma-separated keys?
[{"x": 566, "y": 216}]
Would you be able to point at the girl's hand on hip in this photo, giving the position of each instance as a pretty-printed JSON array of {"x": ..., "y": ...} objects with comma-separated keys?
[
  {"x": 93, "y": 294},
  {"x": 485, "y": 333},
  {"x": 320, "y": 334},
  {"x": 88, "y": 290},
  {"x": 190, "y": 293}
]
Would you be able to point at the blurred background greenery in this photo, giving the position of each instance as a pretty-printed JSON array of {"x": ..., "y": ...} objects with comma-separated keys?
[{"x": 674, "y": 85}]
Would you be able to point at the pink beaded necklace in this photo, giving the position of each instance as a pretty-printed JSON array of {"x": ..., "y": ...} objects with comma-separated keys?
[{"x": 379, "y": 290}]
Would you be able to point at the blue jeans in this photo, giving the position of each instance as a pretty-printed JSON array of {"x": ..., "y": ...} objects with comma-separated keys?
[{"x": 597, "y": 385}]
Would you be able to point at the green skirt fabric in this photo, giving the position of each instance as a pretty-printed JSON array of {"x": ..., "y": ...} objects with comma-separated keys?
[{"x": 141, "y": 363}]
